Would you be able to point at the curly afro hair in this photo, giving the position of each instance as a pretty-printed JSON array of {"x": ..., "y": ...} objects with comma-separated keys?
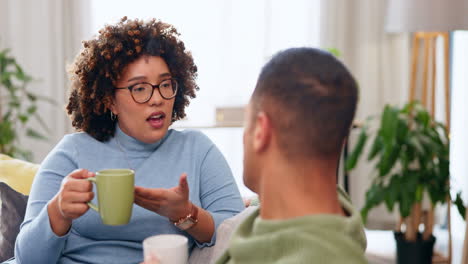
[{"x": 103, "y": 59}]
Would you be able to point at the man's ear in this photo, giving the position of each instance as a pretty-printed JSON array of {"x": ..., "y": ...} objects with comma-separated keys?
[{"x": 262, "y": 132}]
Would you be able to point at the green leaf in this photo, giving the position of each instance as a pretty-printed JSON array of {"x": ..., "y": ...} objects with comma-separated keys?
[
  {"x": 3, "y": 53},
  {"x": 7, "y": 83},
  {"x": 356, "y": 153},
  {"x": 34, "y": 134},
  {"x": 402, "y": 130},
  {"x": 460, "y": 205},
  {"x": 5, "y": 76},
  {"x": 364, "y": 213},
  {"x": 374, "y": 196},
  {"x": 419, "y": 193},
  {"x": 389, "y": 124},
  {"x": 31, "y": 109},
  {"x": 415, "y": 144},
  {"x": 46, "y": 99},
  {"x": 375, "y": 148},
  {"x": 19, "y": 72},
  {"x": 42, "y": 122},
  {"x": 409, "y": 107},
  {"x": 23, "y": 118},
  {"x": 32, "y": 97},
  {"x": 407, "y": 193},
  {"x": 7, "y": 133},
  {"x": 14, "y": 104},
  {"x": 6, "y": 117},
  {"x": 392, "y": 192},
  {"x": 405, "y": 204},
  {"x": 423, "y": 117},
  {"x": 388, "y": 160}
]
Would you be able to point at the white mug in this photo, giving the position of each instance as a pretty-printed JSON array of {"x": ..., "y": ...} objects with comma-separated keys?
[{"x": 167, "y": 249}]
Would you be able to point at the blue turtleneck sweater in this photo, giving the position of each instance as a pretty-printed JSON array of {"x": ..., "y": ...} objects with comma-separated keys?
[{"x": 157, "y": 165}]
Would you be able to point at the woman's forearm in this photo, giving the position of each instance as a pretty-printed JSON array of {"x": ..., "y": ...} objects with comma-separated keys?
[
  {"x": 58, "y": 223},
  {"x": 203, "y": 231},
  {"x": 37, "y": 242}
]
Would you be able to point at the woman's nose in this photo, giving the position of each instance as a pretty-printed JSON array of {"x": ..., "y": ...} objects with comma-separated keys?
[{"x": 156, "y": 98}]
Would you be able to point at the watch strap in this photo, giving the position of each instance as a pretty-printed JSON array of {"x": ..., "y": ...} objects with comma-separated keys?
[{"x": 188, "y": 221}]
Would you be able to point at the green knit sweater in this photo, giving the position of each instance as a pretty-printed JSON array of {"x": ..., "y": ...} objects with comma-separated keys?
[{"x": 309, "y": 239}]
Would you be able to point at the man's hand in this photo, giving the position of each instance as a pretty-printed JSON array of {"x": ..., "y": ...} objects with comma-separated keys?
[{"x": 151, "y": 260}]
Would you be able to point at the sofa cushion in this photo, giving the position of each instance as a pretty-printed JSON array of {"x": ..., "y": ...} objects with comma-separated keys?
[
  {"x": 209, "y": 255},
  {"x": 17, "y": 173},
  {"x": 12, "y": 209}
]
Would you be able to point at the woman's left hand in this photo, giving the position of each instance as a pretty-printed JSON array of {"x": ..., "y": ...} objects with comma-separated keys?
[{"x": 172, "y": 203}]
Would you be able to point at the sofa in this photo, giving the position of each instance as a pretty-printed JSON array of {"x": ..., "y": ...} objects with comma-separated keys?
[{"x": 16, "y": 178}]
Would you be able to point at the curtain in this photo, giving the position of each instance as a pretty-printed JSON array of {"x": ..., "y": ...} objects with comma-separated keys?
[
  {"x": 44, "y": 36},
  {"x": 380, "y": 63}
]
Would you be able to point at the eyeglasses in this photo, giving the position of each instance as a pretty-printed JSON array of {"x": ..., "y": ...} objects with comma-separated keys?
[{"x": 142, "y": 92}]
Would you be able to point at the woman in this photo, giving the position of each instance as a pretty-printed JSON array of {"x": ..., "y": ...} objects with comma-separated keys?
[{"x": 128, "y": 86}]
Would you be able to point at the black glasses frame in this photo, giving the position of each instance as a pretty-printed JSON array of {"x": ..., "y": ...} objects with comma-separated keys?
[{"x": 130, "y": 88}]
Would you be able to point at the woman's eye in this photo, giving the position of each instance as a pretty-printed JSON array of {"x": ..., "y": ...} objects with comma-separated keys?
[{"x": 139, "y": 88}]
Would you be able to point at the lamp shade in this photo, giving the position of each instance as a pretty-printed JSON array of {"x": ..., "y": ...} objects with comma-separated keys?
[{"x": 426, "y": 15}]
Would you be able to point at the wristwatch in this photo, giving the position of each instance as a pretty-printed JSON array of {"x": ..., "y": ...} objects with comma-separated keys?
[{"x": 189, "y": 221}]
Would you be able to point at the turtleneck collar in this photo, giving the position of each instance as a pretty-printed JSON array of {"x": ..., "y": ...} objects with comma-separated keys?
[{"x": 133, "y": 145}]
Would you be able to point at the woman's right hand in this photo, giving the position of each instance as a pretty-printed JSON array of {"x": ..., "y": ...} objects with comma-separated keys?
[{"x": 71, "y": 201}]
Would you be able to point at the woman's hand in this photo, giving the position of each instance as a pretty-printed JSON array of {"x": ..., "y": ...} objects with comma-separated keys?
[
  {"x": 172, "y": 203},
  {"x": 71, "y": 201}
]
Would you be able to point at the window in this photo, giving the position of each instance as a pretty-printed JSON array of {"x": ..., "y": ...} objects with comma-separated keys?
[
  {"x": 230, "y": 41},
  {"x": 459, "y": 129}
]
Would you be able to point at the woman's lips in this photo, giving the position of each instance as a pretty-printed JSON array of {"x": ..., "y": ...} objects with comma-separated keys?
[{"x": 156, "y": 121}]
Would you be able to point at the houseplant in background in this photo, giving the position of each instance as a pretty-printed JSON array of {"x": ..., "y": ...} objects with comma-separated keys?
[
  {"x": 411, "y": 155},
  {"x": 18, "y": 106}
]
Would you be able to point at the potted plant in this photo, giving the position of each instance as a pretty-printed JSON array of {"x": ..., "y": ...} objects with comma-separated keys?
[
  {"x": 17, "y": 106},
  {"x": 411, "y": 155}
]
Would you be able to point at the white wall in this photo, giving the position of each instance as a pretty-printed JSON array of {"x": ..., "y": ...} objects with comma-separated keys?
[{"x": 230, "y": 41}]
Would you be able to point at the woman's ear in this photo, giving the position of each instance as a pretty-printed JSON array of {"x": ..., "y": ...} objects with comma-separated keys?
[
  {"x": 112, "y": 106},
  {"x": 114, "y": 109}
]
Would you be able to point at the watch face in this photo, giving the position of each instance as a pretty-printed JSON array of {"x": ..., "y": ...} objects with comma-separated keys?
[{"x": 186, "y": 224}]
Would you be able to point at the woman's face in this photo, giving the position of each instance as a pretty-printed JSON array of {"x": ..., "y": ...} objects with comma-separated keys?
[{"x": 148, "y": 122}]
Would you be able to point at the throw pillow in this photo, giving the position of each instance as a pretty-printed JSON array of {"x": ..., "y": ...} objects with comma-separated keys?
[
  {"x": 18, "y": 174},
  {"x": 12, "y": 209}
]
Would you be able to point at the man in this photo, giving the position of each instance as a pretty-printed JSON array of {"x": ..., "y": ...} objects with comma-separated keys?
[{"x": 297, "y": 121}]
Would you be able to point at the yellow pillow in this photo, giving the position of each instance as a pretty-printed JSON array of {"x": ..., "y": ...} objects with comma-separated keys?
[{"x": 18, "y": 174}]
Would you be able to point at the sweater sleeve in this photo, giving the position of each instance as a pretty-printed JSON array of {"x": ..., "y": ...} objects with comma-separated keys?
[
  {"x": 36, "y": 242},
  {"x": 218, "y": 190}
]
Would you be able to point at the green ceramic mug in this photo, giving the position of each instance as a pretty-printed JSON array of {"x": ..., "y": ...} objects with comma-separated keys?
[{"x": 115, "y": 195}]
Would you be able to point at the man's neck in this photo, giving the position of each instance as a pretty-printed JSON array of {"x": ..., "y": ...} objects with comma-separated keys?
[{"x": 295, "y": 189}]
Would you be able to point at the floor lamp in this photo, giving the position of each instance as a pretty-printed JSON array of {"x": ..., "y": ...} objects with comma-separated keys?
[{"x": 430, "y": 22}]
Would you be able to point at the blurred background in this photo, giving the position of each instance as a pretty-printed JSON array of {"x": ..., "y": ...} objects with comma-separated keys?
[{"x": 230, "y": 41}]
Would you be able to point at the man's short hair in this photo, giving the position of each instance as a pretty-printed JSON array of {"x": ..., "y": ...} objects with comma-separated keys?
[{"x": 311, "y": 98}]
